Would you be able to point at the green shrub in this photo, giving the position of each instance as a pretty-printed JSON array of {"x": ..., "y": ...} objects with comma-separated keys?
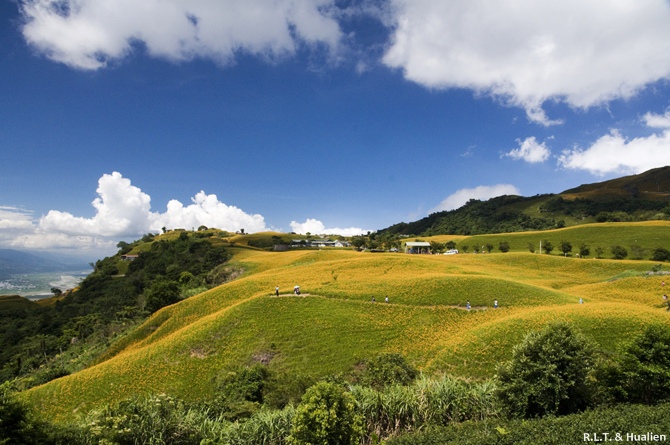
[
  {"x": 326, "y": 416},
  {"x": 548, "y": 374},
  {"x": 161, "y": 294},
  {"x": 642, "y": 372},
  {"x": 387, "y": 369},
  {"x": 661, "y": 254},
  {"x": 619, "y": 252}
]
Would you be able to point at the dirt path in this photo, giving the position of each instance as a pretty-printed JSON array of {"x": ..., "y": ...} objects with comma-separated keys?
[{"x": 450, "y": 306}]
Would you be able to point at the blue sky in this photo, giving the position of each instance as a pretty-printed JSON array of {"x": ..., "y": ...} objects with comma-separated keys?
[{"x": 120, "y": 118}]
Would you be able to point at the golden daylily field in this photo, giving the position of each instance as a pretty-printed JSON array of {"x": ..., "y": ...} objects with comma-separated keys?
[{"x": 182, "y": 349}]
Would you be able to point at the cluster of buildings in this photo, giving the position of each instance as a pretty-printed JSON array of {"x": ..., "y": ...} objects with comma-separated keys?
[{"x": 322, "y": 242}]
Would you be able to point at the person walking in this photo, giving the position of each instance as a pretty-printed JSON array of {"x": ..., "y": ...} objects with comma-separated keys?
[
  {"x": 467, "y": 305},
  {"x": 386, "y": 299},
  {"x": 277, "y": 291},
  {"x": 495, "y": 304}
]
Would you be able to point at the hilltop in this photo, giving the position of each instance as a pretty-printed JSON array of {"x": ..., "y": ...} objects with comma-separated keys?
[{"x": 639, "y": 197}]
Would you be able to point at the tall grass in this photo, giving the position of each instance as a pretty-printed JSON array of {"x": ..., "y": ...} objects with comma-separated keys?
[{"x": 428, "y": 402}]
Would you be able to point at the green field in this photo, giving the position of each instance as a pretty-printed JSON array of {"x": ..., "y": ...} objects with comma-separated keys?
[{"x": 182, "y": 349}]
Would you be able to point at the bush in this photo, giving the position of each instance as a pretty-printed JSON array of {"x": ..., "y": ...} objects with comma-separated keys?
[
  {"x": 548, "y": 374},
  {"x": 661, "y": 254},
  {"x": 387, "y": 369},
  {"x": 566, "y": 247},
  {"x": 547, "y": 246},
  {"x": 161, "y": 294},
  {"x": 504, "y": 246},
  {"x": 642, "y": 373},
  {"x": 619, "y": 253},
  {"x": 584, "y": 250},
  {"x": 326, "y": 416}
]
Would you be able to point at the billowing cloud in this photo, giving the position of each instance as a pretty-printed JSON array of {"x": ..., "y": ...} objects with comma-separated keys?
[
  {"x": 86, "y": 34},
  {"x": 482, "y": 192},
  {"x": 614, "y": 153},
  {"x": 207, "y": 210},
  {"x": 315, "y": 226},
  {"x": 122, "y": 211},
  {"x": 527, "y": 52},
  {"x": 530, "y": 151}
]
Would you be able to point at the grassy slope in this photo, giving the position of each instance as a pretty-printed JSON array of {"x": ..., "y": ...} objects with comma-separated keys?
[{"x": 182, "y": 348}]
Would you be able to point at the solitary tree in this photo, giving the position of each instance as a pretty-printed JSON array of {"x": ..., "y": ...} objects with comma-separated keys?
[
  {"x": 566, "y": 247},
  {"x": 547, "y": 246},
  {"x": 584, "y": 250},
  {"x": 619, "y": 253},
  {"x": 661, "y": 254}
]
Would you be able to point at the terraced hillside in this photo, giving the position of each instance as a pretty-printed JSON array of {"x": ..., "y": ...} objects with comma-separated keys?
[{"x": 183, "y": 349}]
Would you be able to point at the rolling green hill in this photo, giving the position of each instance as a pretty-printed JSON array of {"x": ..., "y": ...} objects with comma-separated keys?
[{"x": 183, "y": 349}]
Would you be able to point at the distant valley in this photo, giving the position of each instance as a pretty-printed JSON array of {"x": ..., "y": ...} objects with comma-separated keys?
[{"x": 27, "y": 274}]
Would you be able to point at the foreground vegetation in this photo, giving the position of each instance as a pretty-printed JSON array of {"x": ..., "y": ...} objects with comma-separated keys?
[{"x": 556, "y": 371}]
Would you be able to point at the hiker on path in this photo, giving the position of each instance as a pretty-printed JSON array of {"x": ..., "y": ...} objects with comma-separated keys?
[
  {"x": 467, "y": 305},
  {"x": 495, "y": 304},
  {"x": 277, "y": 291},
  {"x": 386, "y": 299},
  {"x": 373, "y": 299}
]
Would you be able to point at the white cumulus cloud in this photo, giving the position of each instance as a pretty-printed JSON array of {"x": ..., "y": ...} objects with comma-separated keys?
[
  {"x": 482, "y": 193},
  {"x": 207, "y": 210},
  {"x": 121, "y": 211},
  {"x": 314, "y": 226},
  {"x": 86, "y": 34},
  {"x": 530, "y": 151},
  {"x": 614, "y": 153},
  {"x": 527, "y": 52}
]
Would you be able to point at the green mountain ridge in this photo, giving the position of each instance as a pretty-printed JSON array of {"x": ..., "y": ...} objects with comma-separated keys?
[{"x": 641, "y": 197}]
